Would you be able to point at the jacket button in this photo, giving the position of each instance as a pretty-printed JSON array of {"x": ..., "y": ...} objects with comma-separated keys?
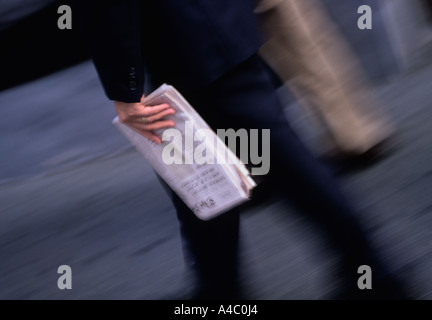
[{"x": 132, "y": 85}]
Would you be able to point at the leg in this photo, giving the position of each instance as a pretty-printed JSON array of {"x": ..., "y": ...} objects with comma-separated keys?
[
  {"x": 245, "y": 98},
  {"x": 307, "y": 51},
  {"x": 210, "y": 250}
]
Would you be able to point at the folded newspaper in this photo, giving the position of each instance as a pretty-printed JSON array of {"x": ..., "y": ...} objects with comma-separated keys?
[{"x": 192, "y": 159}]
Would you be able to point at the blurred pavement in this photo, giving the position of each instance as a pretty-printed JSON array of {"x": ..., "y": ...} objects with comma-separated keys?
[{"x": 73, "y": 192}]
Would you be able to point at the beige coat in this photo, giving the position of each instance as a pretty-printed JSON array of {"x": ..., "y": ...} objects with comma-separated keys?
[{"x": 306, "y": 49}]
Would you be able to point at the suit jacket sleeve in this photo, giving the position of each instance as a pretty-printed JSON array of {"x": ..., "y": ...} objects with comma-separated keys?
[{"x": 113, "y": 31}]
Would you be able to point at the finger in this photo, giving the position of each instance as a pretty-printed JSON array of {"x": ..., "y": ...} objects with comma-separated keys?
[
  {"x": 151, "y": 136},
  {"x": 157, "y": 116},
  {"x": 147, "y": 134},
  {"x": 139, "y": 111},
  {"x": 149, "y": 111},
  {"x": 157, "y": 125}
]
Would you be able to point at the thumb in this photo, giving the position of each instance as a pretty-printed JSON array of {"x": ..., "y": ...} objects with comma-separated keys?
[{"x": 142, "y": 98}]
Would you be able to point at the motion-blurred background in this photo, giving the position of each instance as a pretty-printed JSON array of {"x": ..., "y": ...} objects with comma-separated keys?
[
  {"x": 73, "y": 192},
  {"x": 32, "y": 46}
]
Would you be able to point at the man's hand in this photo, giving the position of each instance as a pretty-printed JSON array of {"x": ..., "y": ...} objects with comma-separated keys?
[{"x": 145, "y": 119}]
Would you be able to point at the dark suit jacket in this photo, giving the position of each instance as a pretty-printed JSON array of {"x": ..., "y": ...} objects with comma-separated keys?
[{"x": 186, "y": 43}]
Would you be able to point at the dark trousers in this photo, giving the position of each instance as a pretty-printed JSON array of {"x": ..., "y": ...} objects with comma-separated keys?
[{"x": 247, "y": 98}]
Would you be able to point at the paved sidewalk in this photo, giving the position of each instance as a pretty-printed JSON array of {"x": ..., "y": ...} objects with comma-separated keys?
[{"x": 73, "y": 192}]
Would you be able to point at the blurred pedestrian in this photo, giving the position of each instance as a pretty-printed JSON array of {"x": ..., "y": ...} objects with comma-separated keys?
[
  {"x": 428, "y": 6},
  {"x": 308, "y": 52},
  {"x": 208, "y": 50}
]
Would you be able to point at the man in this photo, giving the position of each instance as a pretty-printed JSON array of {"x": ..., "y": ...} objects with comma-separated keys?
[{"x": 208, "y": 51}]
